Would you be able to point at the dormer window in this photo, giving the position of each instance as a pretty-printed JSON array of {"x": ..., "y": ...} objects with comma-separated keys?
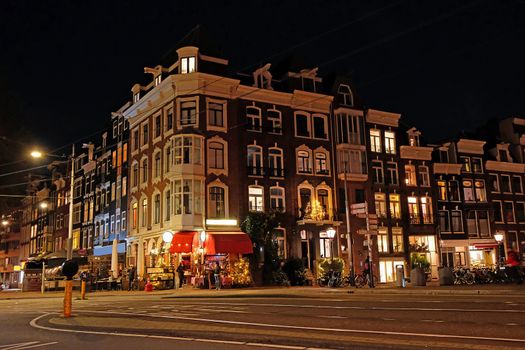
[
  {"x": 503, "y": 157},
  {"x": 347, "y": 98},
  {"x": 187, "y": 65},
  {"x": 158, "y": 79},
  {"x": 413, "y": 140},
  {"x": 136, "y": 97}
]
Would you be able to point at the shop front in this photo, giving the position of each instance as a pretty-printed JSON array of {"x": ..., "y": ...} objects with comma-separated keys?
[
  {"x": 425, "y": 246},
  {"x": 200, "y": 252},
  {"x": 469, "y": 253}
]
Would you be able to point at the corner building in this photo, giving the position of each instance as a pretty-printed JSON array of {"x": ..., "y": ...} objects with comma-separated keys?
[{"x": 208, "y": 147}]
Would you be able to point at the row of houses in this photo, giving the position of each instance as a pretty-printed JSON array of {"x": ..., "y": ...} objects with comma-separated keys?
[{"x": 197, "y": 148}]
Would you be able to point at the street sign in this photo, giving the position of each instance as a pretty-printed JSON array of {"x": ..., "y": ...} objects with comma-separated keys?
[
  {"x": 361, "y": 216},
  {"x": 372, "y": 227},
  {"x": 372, "y": 222},
  {"x": 358, "y": 208},
  {"x": 363, "y": 231}
]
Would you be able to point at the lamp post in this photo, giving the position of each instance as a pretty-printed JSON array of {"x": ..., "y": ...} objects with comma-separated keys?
[
  {"x": 167, "y": 237},
  {"x": 499, "y": 238},
  {"x": 69, "y": 244},
  {"x": 331, "y": 234},
  {"x": 202, "y": 238}
]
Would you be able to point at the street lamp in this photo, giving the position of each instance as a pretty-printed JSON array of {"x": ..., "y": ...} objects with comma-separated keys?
[
  {"x": 331, "y": 234},
  {"x": 202, "y": 238},
  {"x": 5, "y": 222},
  {"x": 499, "y": 238},
  {"x": 38, "y": 154},
  {"x": 43, "y": 205}
]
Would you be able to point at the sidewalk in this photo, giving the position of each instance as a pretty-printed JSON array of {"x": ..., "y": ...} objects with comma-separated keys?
[{"x": 289, "y": 292}]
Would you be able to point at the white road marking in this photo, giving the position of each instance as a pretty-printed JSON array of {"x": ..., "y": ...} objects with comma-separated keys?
[
  {"x": 34, "y": 324},
  {"x": 381, "y": 308},
  {"x": 512, "y": 324},
  {"x": 337, "y": 330},
  {"x": 27, "y": 345}
]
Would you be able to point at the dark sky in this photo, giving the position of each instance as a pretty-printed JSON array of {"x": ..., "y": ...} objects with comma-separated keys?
[{"x": 444, "y": 65}]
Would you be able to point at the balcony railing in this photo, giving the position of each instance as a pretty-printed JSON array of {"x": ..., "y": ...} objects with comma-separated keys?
[
  {"x": 257, "y": 171},
  {"x": 416, "y": 219},
  {"x": 275, "y": 172},
  {"x": 318, "y": 215}
]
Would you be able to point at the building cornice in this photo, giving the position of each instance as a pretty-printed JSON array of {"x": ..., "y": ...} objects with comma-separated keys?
[
  {"x": 470, "y": 146},
  {"x": 416, "y": 152},
  {"x": 493, "y": 165},
  {"x": 447, "y": 168},
  {"x": 350, "y": 111},
  {"x": 375, "y": 116}
]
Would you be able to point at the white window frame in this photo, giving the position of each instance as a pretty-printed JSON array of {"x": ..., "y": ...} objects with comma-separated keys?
[
  {"x": 308, "y": 124},
  {"x": 224, "y": 104},
  {"x": 253, "y": 121},
  {"x": 375, "y": 141},
  {"x": 325, "y": 122},
  {"x": 276, "y": 122},
  {"x": 257, "y": 207},
  {"x": 300, "y": 169},
  {"x": 390, "y": 142},
  {"x": 318, "y": 170},
  {"x": 256, "y": 166},
  {"x": 277, "y": 198},
  {"x": 180, "y": 102},
  {"x": 220, "y": 184},
  {"x": 209, "y": 150},
  {"x": 499, "y": 204},
  {"x": 346, "y": 95},
  {"x": 188, "y": 65},
  {"x": 275, "y": 162}
]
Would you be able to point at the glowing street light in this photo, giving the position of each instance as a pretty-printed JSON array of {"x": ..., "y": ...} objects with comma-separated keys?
[
  {"x": 43, "y": 205},
  {"x": 5, "y": 222},
  {"x": 36, "y": 154}
]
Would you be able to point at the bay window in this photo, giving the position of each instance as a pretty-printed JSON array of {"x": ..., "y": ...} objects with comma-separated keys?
[
  {"x": 188, "y": 150},
  {"x": 187, "y": 196}
]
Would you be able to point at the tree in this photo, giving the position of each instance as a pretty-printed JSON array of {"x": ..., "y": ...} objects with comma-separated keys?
[{"x": 259, "y": 226}]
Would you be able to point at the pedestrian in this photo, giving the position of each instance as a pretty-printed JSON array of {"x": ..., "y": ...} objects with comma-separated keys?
[
  {"x": 217, "y": 276},
  {"x": 513, "y": 262},
  {"x": 131, "y": 277},
  {"x": 367, "y": 271},
  {"x": 180, "y": 272}
]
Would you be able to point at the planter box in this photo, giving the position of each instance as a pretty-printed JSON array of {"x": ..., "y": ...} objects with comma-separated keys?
[
  {"x": 446, "y": 276},
  {"x": 418, "y": 277}
]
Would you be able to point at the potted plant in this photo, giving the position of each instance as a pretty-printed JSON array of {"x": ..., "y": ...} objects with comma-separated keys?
[{"x": 419, "y": 264}]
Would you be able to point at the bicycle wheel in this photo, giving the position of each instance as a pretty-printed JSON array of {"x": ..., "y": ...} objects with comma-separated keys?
[
  {"x": 469, "y": 278},
  {"x": 359, "y": 281}
]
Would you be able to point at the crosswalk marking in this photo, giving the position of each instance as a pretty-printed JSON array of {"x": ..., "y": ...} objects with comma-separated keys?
[{"x": 25, "y": 345}]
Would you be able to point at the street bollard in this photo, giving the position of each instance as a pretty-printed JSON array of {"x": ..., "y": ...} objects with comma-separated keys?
[
  {"x": 68, "y": 298},
  {"x": 69, "y": 269},
  {"x": 83, "y": 290}
]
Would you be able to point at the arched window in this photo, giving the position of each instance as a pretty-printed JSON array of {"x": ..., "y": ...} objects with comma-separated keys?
[
  {"x": 275, "y": 162},
  {"x": 254, "y": 160},
  {"x": 347, "y": 98},
  {"x": 277, "y": 198},
  {"x": 321, "y": 163},
  {"x": 304, "y": 161}
]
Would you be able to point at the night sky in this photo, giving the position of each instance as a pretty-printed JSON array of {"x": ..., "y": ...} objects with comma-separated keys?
[{"x": 444, "y": 65}]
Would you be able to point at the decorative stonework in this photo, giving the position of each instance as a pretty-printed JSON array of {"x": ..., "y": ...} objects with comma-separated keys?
[
  {"x": 447, "y": 168},
  {"x": 374, "y": 116},
  {"x": 414, "y": 152},
  {"x": 470, "y": 146}
]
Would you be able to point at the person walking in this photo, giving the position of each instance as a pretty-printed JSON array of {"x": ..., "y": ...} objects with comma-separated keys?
[
  {"x": 368, "y": 272},
  {"x": 513, "y": 262},
  {"x": 217, "y": 276},
  {"x": 180, "y": 272},
  {"x": 131, "y": 277}
]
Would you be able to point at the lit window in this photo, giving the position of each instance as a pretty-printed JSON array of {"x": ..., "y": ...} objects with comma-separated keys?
[
  {"x": 397, "y": 240},
  {"x": 465, "y": 161},
  {"x": 380, "y": 203},
  {"x": 410, "y": 175},
  {"x": 255, "y": 198},
  {"x": 375, "y": 140},
  {"x": 390, "y": 142},
  {"x": 144, "y": 212},
  {"x": 426, "y": 210},
  {"x": 156, "y": 207},
  {"x": 413, "y": 210},
  {"x": 395, "y": 206},
  {"x": 168, "y": 205},
  {"x": 187, "y": 65},
  {"x": 382, "y": 240}
]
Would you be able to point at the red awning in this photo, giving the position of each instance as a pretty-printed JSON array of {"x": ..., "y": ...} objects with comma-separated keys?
[
  {"x": 182, "y": 242},
  {"x": 225, "y": 242},
  {"x": 485, "y": 245}
]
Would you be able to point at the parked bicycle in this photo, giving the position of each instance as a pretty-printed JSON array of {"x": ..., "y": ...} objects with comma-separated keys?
[
  {"x": 463, "y": 276},
  {"x": 362, "y": 280}
]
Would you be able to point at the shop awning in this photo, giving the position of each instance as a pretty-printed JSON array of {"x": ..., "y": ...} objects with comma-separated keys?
[
  {"x": 182, "y": 242},
  {"x": 225, "y": 243},
  {"x": 485, "y": 245}
]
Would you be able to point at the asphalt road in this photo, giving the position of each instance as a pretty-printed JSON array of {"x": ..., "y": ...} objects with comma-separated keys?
[{"x": 319, "y": 320}]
